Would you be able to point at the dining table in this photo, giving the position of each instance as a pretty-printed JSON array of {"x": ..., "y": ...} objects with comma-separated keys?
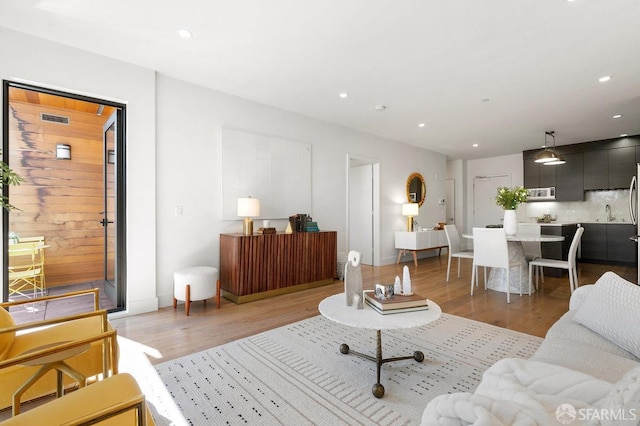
[{"x": 497, "y": 279}]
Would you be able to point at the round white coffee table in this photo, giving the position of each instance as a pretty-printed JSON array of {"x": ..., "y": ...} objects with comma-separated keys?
[{"x": 334, "y": 308}]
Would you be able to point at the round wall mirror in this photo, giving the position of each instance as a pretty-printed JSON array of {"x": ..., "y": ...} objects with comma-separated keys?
[{"x": 416, "y": 189}]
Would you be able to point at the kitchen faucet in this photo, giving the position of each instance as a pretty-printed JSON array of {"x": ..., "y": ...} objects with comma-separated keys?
[{"x": 607, "y": 209}]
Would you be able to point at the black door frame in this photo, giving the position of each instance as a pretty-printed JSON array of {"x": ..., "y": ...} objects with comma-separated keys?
[{"x": 121, "y": 257}]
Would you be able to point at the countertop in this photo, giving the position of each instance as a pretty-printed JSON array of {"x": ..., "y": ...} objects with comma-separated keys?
[
  {"x": 578, "y": 223},
  {"x": 551, "y": 223}
]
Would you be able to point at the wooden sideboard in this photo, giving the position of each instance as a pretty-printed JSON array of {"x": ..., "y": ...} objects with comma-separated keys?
[
  {"x": 258, "y": 266},
  {"x": 421, "y": 240}
]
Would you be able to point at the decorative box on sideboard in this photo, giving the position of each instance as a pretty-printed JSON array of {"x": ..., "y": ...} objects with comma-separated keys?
[{"x": 255, "y": 267}]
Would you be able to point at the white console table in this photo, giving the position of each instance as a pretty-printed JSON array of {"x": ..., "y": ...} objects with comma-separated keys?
[{"x": 421, "y": 240}]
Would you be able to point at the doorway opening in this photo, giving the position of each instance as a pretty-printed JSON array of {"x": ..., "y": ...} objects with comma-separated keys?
[
  {"x": 69, "y": 150},
  {"x": 363, "y": 200},
  {"x": 485, "y": 210}
]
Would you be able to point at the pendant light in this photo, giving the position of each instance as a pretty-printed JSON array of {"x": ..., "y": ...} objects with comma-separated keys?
[
  {"x": 549, "y": 156},
  {"x": 559, "y": 159}
]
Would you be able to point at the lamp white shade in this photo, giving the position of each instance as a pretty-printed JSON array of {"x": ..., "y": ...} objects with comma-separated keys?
[
  {"x": 410, "y": 209},
  {"x": 248, "y": 207}
]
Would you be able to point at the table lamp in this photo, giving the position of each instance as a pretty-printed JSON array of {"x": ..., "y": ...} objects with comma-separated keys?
[
  {"x": 248, "y": 208},
  {"x": 410, "y": 210}
]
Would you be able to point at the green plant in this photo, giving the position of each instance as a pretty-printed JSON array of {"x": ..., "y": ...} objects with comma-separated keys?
[
  {"x": 510, "y": 198},
  {"x": 7, "y": 177}
]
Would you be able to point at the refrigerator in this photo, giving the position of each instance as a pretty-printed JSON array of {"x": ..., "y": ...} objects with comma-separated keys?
[{"x": 633, "y": 212}]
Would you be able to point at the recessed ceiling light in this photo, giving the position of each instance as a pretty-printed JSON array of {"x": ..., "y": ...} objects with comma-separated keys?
[
  {"x": 617, "y": 116},
  {"x": 421, "y": 125},
  {"x": 380, "y": 107},
  {"x": 624, "y": 135},
  {"x": 604, "y": 78},
  {"x": 475, "y": 145},
  {"x": 344, "y": 95},
  {"x": 185, "y": 33}
]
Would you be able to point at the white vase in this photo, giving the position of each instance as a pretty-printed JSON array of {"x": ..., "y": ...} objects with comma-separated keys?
[{"x": 510, "y": 222}]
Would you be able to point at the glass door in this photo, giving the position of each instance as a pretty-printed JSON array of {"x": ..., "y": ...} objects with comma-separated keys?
[
  {"x": 69, "y": 149},
  {"x": 112, "y": 287}
]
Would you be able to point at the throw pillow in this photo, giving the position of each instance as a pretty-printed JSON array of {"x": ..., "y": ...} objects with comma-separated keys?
[
  {"x": 6, "y": 339},
  {"x": 611, "y": 310}
]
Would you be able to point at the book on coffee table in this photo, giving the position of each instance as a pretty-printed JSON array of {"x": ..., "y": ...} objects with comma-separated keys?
[
  {"x": 396, "y": 302},
  {"x": 397, "y": 311}
]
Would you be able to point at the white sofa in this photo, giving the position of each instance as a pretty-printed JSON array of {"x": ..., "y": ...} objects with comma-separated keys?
[{"x": 587, "y": 370}]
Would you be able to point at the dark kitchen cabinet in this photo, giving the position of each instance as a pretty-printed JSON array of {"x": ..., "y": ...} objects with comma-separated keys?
[
  {"x": 619, "y": 247},
  {"x": 610, "y": 168},
  {"x": 596, "y": 170},
  {"x": 622, "y": 167},
  {"x": 602, "y": 242},
  {"x": 547, "y": 176},
  {"x": 537, "y": 175},
  {"x": 606, "y": 164},
  {"x": 531, "y": 173},
  {"x": 594, "y": 242},
  {"x": 570, "y": 178}
]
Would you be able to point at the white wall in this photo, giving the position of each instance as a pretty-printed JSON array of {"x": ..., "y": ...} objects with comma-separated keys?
[
  {"x": 33, "y": 60},
  {"x": 504, "y": 165},
  {"x": 189, "y": 119}
]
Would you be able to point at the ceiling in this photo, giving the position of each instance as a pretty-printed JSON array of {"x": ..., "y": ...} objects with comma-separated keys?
[
  {"x": 496, "y": 73},
  {"x": 58, "y": 102}
]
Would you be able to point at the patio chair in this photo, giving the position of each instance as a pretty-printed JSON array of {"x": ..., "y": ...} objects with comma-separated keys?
[{"x": 26, "y": 269}]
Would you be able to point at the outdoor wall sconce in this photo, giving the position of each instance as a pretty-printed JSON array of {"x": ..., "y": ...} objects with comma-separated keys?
[{"x": 63, "y": 151}]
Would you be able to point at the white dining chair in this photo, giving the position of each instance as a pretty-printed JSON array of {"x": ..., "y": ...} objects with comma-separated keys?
[
  {"x": 455, "y": 250},
  {"x": 569, "y": 264},
  {"x": 490, "y": 250},
  {"x": 532, "y": 249}
]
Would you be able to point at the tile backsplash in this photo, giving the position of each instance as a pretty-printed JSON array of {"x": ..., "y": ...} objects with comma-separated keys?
[{"x": 593, "y": 209}]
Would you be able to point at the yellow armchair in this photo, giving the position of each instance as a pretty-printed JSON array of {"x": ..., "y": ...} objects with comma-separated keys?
[
  {"x": 21, "y": 346},
  {"x": 116, "y": 400}
]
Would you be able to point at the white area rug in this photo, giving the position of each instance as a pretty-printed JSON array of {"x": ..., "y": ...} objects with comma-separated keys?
[{"x": 296, "y": 375}]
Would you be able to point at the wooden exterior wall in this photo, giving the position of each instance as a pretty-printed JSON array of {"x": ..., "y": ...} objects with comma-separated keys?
[{"x": 61, "y": 200}]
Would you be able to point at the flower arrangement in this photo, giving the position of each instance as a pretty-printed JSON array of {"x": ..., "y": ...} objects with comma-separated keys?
[{"x": 510, "y": 198}]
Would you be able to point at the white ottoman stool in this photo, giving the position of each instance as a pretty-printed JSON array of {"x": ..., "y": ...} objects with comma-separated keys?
[{"x": 196, "y": 283}]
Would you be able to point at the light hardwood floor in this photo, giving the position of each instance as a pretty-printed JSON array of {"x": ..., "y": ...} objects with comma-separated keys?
[{"x": 173, "y": 334}]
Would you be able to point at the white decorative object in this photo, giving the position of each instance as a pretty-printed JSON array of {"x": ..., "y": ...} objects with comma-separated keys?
[
  {"x": 397, "y": 286},
  {"x": 406, "y": 281},
  {"x": 353, "y": 280},
  {"x": 266, "y": 223},
  {"x": 510, "y": 222}
]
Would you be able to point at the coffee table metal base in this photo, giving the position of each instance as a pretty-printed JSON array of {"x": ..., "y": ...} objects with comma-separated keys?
[{"x": 378, "y": 389}]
